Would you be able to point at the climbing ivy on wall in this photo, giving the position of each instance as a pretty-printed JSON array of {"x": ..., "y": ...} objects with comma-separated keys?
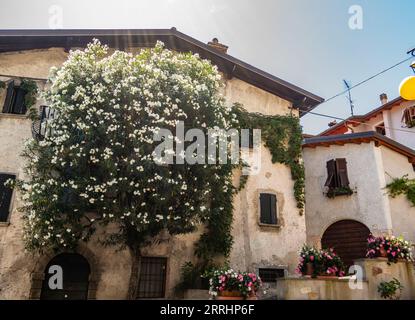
[
  {"x": 404, "y": 186},
  {"x": 282, "y": 135}
]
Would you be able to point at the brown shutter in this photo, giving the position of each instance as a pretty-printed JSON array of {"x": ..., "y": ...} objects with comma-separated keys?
[
  {"x": 265, "y": 208},
  {"x": 331, "y": 174},
  {"x": 341, "y": 168},
  {"x": 268, "y": 208},
  {"x": 5, "y": 196},
  {"x": 273, "y": 206},
  {"x": 251, "y": 138},
  {"x": 9, "y": 98},
  {"x": 19, "y": 106}
]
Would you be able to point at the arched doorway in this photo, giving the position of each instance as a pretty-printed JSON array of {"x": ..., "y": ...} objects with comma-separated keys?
[
  {"x": 348, "y": 238},
  {"x": 75, "y": 275}
]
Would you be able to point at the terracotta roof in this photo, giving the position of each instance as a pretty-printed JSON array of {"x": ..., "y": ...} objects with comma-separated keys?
[
  {"x": 16, "y": 40},
  {"x": 354, "y": 121},
  {"x": 361, "y": 137}
]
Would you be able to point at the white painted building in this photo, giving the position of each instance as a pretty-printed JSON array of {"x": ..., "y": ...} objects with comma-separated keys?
[
  {"x": 394, "y": 119},
  {"x": 364, "y": 163}
]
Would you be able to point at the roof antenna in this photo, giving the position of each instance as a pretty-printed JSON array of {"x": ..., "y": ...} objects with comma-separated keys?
[{"x": 349, "y": 96}]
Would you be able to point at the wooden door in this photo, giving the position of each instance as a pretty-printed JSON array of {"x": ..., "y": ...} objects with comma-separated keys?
[
  {"x": 75, "y": 272},
  {"x": 348, "y": 238}
]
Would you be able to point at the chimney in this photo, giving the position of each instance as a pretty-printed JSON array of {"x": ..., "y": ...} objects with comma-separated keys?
[
  {"x": 383, "y": 98},
  {"x": 215, "y": 44}
]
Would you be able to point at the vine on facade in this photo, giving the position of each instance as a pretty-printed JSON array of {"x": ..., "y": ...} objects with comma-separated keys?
[{"x": 404, "y": 186}]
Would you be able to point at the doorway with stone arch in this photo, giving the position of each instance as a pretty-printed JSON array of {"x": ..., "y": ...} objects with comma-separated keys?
[
  {"x": 80, "y": 275},
  {"x": 348, "y": 238},
  {"x": 74, "y": 270}
]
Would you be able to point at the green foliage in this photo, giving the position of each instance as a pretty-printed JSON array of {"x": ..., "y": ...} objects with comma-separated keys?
[
  {"x": 31, "y": 89},
  {"x": 322, "y": 262},
  {"x": 195, "y": 276},
  {"x": 339, "y": 191},
  {"x": 388, "y": 290},
  {"x": 402, "y": 186},
  {"x": 2, "y": 84},
  {"x": 282, "y": 135}
]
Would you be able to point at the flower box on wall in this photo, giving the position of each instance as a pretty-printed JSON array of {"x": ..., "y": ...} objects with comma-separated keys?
[{"x": 343, "y": 191}]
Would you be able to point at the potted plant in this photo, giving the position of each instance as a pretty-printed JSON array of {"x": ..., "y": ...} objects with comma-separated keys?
[
  {"x": 231, "y": 285},
  {"x": 309, "y": 264},
  {"x": 332, "y": 265},
  {"x": 391, "y": 247},
  {"x": 339, "y": 191},
  {"x": 390, "y": 290},
  {"x": 323, "y": 263}
]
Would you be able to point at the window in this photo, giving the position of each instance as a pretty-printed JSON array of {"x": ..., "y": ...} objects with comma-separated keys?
[
  {"x": 5, "y": 197},
  {"x": 250, "y": 138},
  {"x": 408, "y": 117},
  {"x": 270, "y": 274},
  {"x": 152, "y": 281},
  {"x": 268, "y": 210},
  {"x": 380, "y": 128},
  {"x": 337, "y": 174},
  {"x": 15, "y": 100}
]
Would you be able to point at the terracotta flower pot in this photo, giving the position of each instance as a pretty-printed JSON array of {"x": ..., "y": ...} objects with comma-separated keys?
[
  {"x": 309, "y": 269},
  {"x": 234, "y": 295}
]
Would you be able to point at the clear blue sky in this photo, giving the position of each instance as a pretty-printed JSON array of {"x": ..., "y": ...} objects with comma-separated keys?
[{"x": 308, "y": 43}]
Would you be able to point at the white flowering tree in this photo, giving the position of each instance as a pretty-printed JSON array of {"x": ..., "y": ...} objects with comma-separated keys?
[{"x": 96, "y": 168}]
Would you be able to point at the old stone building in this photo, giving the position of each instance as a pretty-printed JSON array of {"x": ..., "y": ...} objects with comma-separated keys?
[{"x": 104, "y": 272}]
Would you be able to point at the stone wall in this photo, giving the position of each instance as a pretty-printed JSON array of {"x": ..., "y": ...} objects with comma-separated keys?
[{"x": 374, "y": 272}]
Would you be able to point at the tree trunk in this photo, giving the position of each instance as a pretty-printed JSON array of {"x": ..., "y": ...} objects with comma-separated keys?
[{"x": 135, "y": 273}]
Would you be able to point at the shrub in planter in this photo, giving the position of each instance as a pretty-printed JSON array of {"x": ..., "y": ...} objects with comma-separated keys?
[
  {"x": 332, "y": 264},
  {"x": 391, "y": 247},
  {"x": 314, "y": 262},
  {"x": 229, "y": 283},
  {"x": 390, "y": 290},
  {"x": 310, "y": 261}
]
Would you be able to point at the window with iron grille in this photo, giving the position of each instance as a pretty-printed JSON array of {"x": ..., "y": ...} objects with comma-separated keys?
[
  {"x": 15, "y": 100},
  {"x": 5, "y": 196},
  {"x": 152, "y": 282},
  {"x": 268, "y": 208},
  {"x": 270, "y": 274}
]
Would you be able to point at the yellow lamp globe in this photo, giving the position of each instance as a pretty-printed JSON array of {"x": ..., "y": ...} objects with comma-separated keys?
[{"x": 407, "y": 88}]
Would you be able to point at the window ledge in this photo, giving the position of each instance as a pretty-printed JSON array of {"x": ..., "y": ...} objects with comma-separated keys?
[
  {"x": 13, "y": 115},
  {"x": 268, "y": 226},
  {"x": 4, "y": 224}
]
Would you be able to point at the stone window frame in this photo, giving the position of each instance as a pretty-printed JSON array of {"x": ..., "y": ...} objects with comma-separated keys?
[
  {"x": 279, "y": 210},
  {"x": 38, "y": 273}
]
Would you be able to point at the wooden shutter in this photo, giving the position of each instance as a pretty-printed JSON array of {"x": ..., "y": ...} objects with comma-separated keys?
[
  {"x": 331, "y": 174},
  {"x": 268, "y": 208},
  {"x": 251, "y": 138},
  {"x": 9, "y": 98},
  {"x": 19, "y": 105},
  {"x": 273, "y": 205},
  {"x": 341, "y": 168},
  {"x": 5, "y": 196}
]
